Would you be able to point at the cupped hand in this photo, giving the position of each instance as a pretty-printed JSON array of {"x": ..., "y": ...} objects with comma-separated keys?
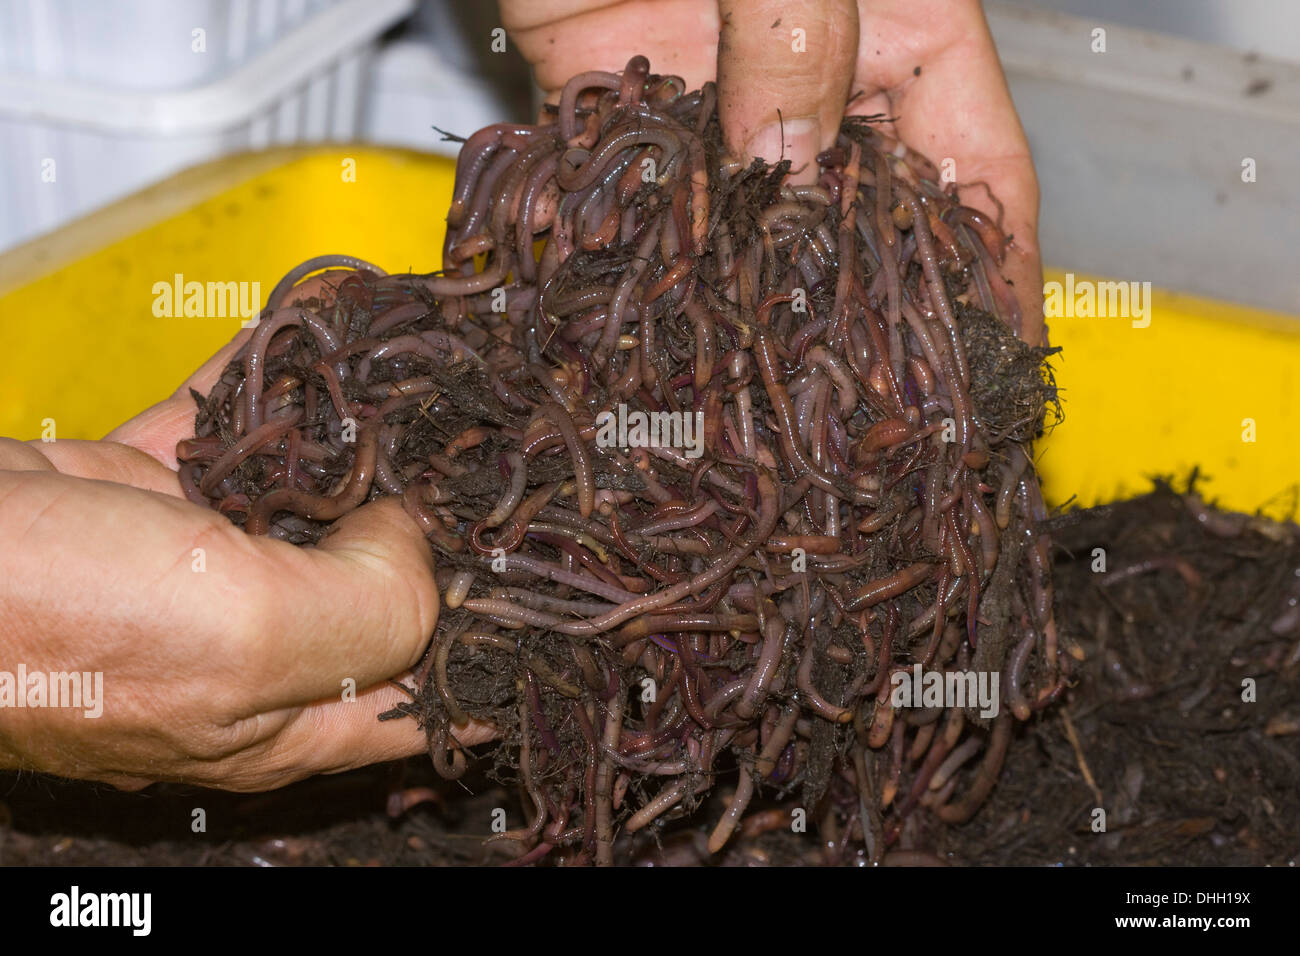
[
  {"x": 929, "y": 64},
  {"x": 226, "y": 659}
]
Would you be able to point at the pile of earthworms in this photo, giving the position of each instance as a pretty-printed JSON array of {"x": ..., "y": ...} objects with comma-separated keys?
[{"x": 647, "y": 620}]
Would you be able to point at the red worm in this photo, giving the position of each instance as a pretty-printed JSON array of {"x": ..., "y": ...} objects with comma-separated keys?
[
  {"x": 321, "y": 507},
  {"x": 684, "y": 611}
]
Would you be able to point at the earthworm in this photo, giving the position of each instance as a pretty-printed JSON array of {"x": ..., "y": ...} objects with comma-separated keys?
[
  {"x": 823, "y": 503},
  {"x": 1006, "y": 304},
  {"x": 532, "y": 220},
  {"x": 988, "y": 533},
  {"x": 765, "y": 762},
  {"x": 415, "y": 503},
  {"x": 321, "y": 507},
  {"x": 441, "y": 653},
  {"x": 514, "y": 492},
  {"x": 439, "y": 738},
  {"x": 901, "y": 580},
  {"x": 578, "y": 450},
  {"x": 315, "y": 264},
  {"x": 787, "y": 426},
  {"x": 576, "y": 179},
  {"x": 735, "y": 807},
  {"x": 551, "y": 572},
  {"x": 480, "y": 202},
  {"x": 1014, "y": 468},
  {"x": 884, "y": 194},
  {"x": 809, "y": 694},
  {"x": 468, "y": 285},
  {"x": 845, "y": 388},
  {"x": 474, "y": 156},
  {"x": 618, "y": 306},
  {"x": 256, "y": 347},
  {"x": 1015, "y": 668},
  {"x": 544, "y": 602},
  {"x": 954, "y": 762},
  {"x": 458, "y": 589},
  {"x": 573, "y": 89},
  {"x": 664, "y": 800},
  {"x": 504, "y": 217},
  {"x": 604, "y": 781},
  {"x": 959, "y": 811},
  {"x": 247, "y": 445},
  {"x": 405, "y": 344},
  {"x": 633, "y": 81}
]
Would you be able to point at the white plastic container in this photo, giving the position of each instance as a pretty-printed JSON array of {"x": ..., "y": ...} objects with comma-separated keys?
[
  {"x": 98, "y": 100},
  {"x": 415, "y": 87},
  {"x": 1161, "y": 159}
]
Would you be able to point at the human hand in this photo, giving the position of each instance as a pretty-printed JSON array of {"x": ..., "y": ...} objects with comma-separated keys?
[
  {"x": 223, "y": 656},
  {"x": 931, "y": 64}
]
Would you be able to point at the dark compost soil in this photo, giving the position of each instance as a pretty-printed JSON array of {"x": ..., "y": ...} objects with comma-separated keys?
[{"x": 1193, "y": 606}]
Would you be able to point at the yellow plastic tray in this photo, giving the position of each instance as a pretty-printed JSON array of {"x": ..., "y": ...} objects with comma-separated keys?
[{"x": 82, "y": 346}]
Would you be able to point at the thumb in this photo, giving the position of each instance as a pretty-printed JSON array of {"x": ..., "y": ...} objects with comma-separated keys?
[
  {"x": 784, "y": 72},
  {"x": 370, "y": 603}
]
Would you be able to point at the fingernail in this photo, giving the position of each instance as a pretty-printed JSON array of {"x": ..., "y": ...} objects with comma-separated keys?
[{"x": 797, "y": 139}]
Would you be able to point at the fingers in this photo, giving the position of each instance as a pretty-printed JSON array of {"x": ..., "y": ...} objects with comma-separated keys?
[
  {"x": 252, "y": 625},
  {"x": 337, "y": 735},
  {"x": 109, "y": 461},
  {"x": 784, "y": 72},
  {"x": 330, "y": 736},
  {"x": 17, "y": 455},
  {"x": 249, "y": 633},
  {"x": 561, "y": 38},
  {"x": 334, "y": 736},
  {"x": 359, "y": 607},
  {"x": 959, "y": 109},
  {"x": 259, "y": 753},
  {"x": 1023, "y": 268}
]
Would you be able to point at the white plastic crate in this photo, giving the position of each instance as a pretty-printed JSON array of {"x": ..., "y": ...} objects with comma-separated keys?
[
  {"x": 1140, "y": 154},
  {"x": 98, "y": 100},
  {"x": 414, "y": 87}
]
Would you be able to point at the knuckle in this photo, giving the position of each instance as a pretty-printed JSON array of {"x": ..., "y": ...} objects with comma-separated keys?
[{"x": 215, "y": 742}]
